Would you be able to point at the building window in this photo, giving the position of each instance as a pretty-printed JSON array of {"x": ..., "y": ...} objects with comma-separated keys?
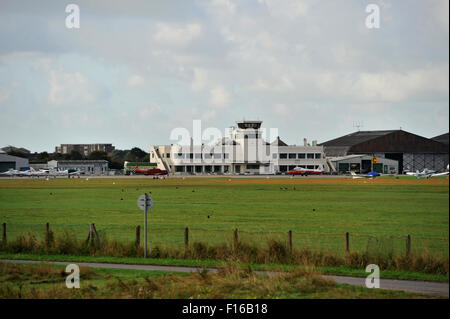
[
  {"x": 310, "y": 166},
  {"x": 226, "y": 155},
  {"x": 217, "y": 156},
  {"x": 168, "y": 155},
  {"x": 179, "y": 169},
  {"x": 252, "y": 166},
  {"x": 310, "y": 155},
  {"x": 292, "y": 155},
  {"x": 274, "y": 155},
  {"x": 198, "y": 155},
  {"x": 301, "y": 155},
  {"x": 283, "y": 156},
  {"x": 318, "y": 156}
]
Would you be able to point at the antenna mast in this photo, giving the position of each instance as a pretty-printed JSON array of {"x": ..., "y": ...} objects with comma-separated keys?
[{"x": 358, "y": 125}]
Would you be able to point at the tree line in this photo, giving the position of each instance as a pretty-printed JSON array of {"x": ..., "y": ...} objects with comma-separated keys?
[{"x": 116, "y": 159}]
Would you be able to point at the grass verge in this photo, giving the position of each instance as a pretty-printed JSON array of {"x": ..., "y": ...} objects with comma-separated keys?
[
  {"x": 46, "y": 281},
  {"x": 342, "y": 270}
]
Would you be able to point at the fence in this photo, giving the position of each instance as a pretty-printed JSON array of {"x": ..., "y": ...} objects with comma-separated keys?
[{"x": 373, "y": 243}]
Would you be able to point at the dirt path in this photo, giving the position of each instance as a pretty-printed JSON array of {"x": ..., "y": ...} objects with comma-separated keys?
[{"x": 423, "y": 287}]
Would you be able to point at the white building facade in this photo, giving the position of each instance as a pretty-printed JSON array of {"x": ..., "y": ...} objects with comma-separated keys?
[{"x": 244, "y": 152}]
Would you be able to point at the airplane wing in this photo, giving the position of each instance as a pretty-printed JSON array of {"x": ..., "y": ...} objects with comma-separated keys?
[{"x": 439, "y": 174}]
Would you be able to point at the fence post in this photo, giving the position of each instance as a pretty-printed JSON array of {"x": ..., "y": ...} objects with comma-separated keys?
[
  {"x": 236, "y": 238},
  {"x": 96, "y": 235},
  {"x": 47, "y": 235},
  {"x": 138, "y": 235},
  {"x": 290, "y": 241},
  {"x": 186, "y": 239},
  {"x": 347, "y": 242},
  {"x": 408, "y": 245},
  {"x": 4, "y": 234}
]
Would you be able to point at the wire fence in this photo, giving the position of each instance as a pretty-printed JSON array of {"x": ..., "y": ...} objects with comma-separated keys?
[{"x": 174, "y": 237}]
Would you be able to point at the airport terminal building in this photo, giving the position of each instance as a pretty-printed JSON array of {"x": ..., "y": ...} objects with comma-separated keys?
[{"x": 244, "y": 152}]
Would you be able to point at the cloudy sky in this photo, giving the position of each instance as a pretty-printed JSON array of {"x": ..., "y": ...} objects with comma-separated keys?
[{"x": 135, "y": 70}]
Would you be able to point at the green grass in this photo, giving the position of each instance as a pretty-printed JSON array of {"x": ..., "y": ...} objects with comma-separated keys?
[
  {"x": 48, "y": 281},
  {"x": 377, "y": 215},
  {"x": 338, "y": 270}
]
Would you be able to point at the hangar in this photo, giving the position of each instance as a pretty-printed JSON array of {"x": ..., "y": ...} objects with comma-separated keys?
[
  {"x": 363, "y": 164},
  {"x": 413, "y": 152},
  {"x": 12, "y": 162},
  {"x": 91, "y": 167}
]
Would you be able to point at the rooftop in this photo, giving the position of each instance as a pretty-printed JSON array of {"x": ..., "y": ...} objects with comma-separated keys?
[{"x": 356, "y": 138}]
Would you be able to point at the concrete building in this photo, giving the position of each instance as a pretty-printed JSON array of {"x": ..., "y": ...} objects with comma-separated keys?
[
  {"x": 88, "y": 167},
  {"x": 244, "y": 152},
  {"x": 84, "y": 149},
  {"x": 362, "y": 164},
  {"x": 8, "y": 162},
  {"x": 413, "y": 152}
]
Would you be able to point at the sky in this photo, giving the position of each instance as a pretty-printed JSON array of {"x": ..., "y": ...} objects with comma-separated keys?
[{"x": 136, "y": 70}]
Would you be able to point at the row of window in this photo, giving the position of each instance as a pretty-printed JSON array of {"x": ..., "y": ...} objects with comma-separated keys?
[
  {"x": 199, "y": 155},
  {"x": 226, "y": 155},
  {"x": 299, "y": 155}
]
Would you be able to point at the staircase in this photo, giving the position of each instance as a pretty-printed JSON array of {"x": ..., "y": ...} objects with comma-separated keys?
[{"x": 160, "y": 160}]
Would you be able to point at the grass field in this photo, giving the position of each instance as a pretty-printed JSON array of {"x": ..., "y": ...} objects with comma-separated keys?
[
  {"x": 378, "y": 213},
  {"x": 48, "y": 281}
]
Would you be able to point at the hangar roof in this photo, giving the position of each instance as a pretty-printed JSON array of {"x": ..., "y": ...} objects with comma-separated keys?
[
  {"x": 441, "y": 138},
  {"x": 389, "y": 141},
  {"x": 356, "y": 138}
]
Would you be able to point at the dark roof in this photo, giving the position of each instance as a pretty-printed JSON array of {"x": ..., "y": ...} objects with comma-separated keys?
[
  {"x": 356, "y": 138},
  {"x": 393, "y": 141},
  {"x": 441, "y": 138},
  {"x": 278, "y": 142}
]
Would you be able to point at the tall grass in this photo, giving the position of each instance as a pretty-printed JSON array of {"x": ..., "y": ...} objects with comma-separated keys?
[{"x": 274, "y": 251}]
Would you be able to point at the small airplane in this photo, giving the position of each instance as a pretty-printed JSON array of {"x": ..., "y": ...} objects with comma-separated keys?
[
  {"x": 10, "y": 172},
  {"x": 426, "y": 173},
  {"x": 150, "y": 171},
  {"x": 371, "y": 174},
  {"x": 306, "y": 171}
]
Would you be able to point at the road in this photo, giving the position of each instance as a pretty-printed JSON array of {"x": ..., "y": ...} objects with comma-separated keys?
[{"x": 438, "y": 289}]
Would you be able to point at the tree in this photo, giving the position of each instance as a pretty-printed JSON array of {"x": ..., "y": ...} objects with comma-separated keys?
[
  {"x": 75, "y": 155},
  {"x": 138, "y": 153},
  {"x": 98, "y": 155},
  {"x": 43, "y": 156}
]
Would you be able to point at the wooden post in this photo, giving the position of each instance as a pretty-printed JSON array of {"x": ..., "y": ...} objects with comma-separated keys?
[
  {"x": 186, "y": 239},
  {"x": 236, "y": 238},
  {"x": 89, "y": 235},
  {"x": 47, "y": 234},
  {"x": 290, "y": 241},
  {"x": 97, "y": 239},
  {"x": 4, "y": 234},
  {"x": 408, "y": 245},
  {"x": 138, "y": 235},
  {"x": 347, "y": 242}
]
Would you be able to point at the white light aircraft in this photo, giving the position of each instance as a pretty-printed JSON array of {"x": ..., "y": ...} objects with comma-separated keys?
[{"x": 426, "y": 173}]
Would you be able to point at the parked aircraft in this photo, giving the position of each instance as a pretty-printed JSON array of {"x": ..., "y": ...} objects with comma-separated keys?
[
  {"x": 426, "y": 173},
  {"x": 371, "y": 174},
  {"x": 306, "y": 171},
  {"x": 150, "y": 171},
  {"x": 10, "y": 172}
]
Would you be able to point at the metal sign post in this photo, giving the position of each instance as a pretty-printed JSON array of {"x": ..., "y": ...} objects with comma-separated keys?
[{"x": 145, "y": 202}]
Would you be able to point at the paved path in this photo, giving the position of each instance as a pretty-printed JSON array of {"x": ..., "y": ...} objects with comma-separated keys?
[{"x": 440, "y": 289}]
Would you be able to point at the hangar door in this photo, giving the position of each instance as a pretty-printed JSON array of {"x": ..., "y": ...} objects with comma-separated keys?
[{"x": 4, "y": 166}]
